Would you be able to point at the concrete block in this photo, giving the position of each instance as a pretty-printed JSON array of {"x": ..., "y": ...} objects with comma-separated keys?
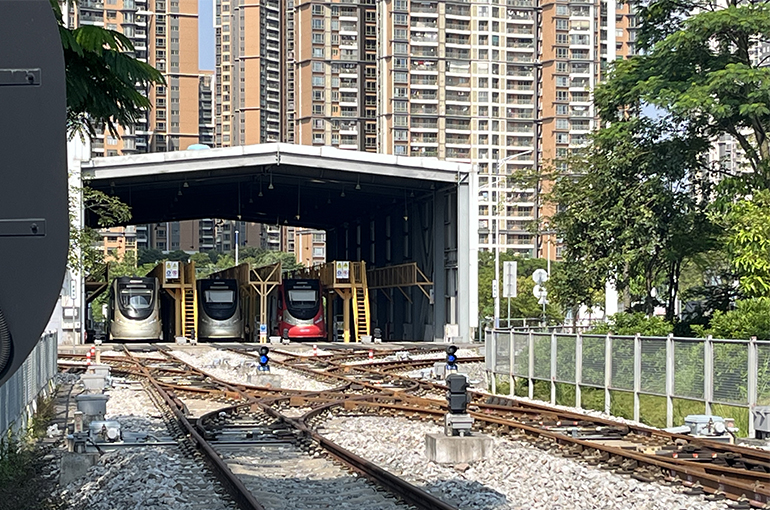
[
  {"x": 75, "y": 465},
  {"x": 275, "y": 339},
  {"x": 99, "y": 369},
  {"x": 92, "y": 406},
  {"x": 93, "y": 382},
  {"x": 366, "y": 339},
  {"x": 444, "y": 449},
  {"x": 264, "y": 379}
]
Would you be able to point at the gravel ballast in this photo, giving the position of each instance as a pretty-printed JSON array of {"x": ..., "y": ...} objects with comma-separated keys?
[{"x": 517, "y": 476}]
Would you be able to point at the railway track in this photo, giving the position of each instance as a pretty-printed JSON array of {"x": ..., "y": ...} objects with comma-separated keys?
[{"x": 371, "y": 387}]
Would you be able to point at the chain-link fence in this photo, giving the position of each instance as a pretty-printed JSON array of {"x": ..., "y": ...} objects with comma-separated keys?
[
  {"x": 18, "y": 396},
  {"x": 706, "y": 372}
]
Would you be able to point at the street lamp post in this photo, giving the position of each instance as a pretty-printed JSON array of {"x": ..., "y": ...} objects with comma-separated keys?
[{"x": 495, "y": 281}]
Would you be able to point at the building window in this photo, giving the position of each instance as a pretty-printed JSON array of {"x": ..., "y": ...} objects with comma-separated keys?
[
  {"x": 399, "y": 150},
  {"x": 318, "y": 24},
  {"x": 562, "y": 124},
  {"x": 400, "y": 121},
  {"x": 318, "y": 109},
  {"x": 318, "y": 38},
  {"x": 400, "y": 77},
  {"x": 399, "y": 19},
  {"x": 318, "y": 81},
  {"x": 561, "y": 52},
  {"x": 318, "y": 52},
  {"x": 318, "y": 67},
  {"x": 561, "y": 24},
  {"x": 318, "y": 9},
  {"x": 562, "y": 95},
  {"x": 399, "y": 48},
  {"x": 401, "y": 5}
]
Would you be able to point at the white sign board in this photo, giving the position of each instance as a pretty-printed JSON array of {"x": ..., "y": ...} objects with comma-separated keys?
[
  {"x": 172, "y": 270},
  {"x": 509, "y": 279},
  {"x": 342, "y": 270},
  {"x": 262, "y": 333},
  {"x": 540, "y": 276}
]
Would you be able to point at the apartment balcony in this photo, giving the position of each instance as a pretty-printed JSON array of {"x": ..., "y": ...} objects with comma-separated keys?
[
  {"x": 458, "y": 127},
  {"x": 430, "y": 24},
  {"x": 520, "y": 16},
  {"x": 458, "y": 153},
  {"x": 424, "y": 138},
  {"x": 459, "y": 142},
  {"x": 423, "y": 38},
  {"x": 463, "y": 11},
  {"x": 427, "y": 50},
  {"x": 458, "y": 110},
  {"x": 423, "y": 152},
  {"x": 521, "y": 3},
  {"x": 424, "y": 95},
  {"x": 424, "y": 125},
  {"x": 423, "y": 109},
  {"x": 91, "y": 5},
  {"x": 91, "y": 18},
  {"x": 423, "y": 67},
  {"x": 455, "y": 42},
  {"x": 458, "y": 67},
  {"x": 458, "y": 26},
  {"x": 422, "y": 8},
  {"x": 423, "y": 81}
]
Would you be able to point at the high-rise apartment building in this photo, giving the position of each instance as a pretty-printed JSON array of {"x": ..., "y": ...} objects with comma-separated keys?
[{"x": 502, "y": 85}]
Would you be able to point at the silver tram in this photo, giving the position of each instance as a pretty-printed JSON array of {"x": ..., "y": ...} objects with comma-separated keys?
[
  {"x": 219, "y": 310},
  {"x": 134, "y": 309}
]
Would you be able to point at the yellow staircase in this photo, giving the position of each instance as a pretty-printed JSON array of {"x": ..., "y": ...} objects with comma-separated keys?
[
  {"x": 190, "y": 313},
  {"x": 360, "y": 299}
]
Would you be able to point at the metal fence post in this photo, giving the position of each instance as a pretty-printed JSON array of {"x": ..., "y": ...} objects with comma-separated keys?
[
  {"x": 531, "y": 367},
  {"x": 553, "y": 367},
  {"x": 607, "y": 372},
  {"x": 637, "y": 375},
  {"x": 752, "y": 383},
  {"x": 670, "y": 380},
  {"x": 511, "y": 379},
  {"x": 494, "y": 361},
  {"x": 708, "y": 373},
  {"x": 578, "y": 369}
]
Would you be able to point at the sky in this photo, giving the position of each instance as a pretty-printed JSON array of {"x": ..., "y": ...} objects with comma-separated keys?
[{"x": 205, "y": 35}]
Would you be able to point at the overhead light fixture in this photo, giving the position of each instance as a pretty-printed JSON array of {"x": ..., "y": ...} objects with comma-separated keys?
[
  {"x": 343, "y": 192},
  {"x": 406, "y": 209},
  {"x": 358, "y": 182},
  {"x": 179, "y": 192},
  {"x": 329, "y": 200},
  {"x": 411, "y": 194},
  {"x": 260, "y": 187},
  {"x": 270, "y": 186},
  {"x": 185, "y": 185}
]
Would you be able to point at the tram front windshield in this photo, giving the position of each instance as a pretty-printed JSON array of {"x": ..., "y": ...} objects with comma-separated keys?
[{"x": 136, "y": 301}]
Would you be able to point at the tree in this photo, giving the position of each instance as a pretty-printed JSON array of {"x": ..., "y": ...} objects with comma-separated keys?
[
  {"x": 695, "y": 64},
  {"x": 179, "y": 255},
  {"x": 633, "y": 210},
  {"x": 149, "y": 256},
  {"x": 748, "y": 241},
  {"x": 104, "y": 80}
]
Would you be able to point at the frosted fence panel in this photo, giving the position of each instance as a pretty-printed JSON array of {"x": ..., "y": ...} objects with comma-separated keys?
[
  {"x": 542, "y": 356},
  {"x": 565, "y": 358},
  {"x": 503, "y": 360},
  {"x": 521, "y": 354},
  {"x": 653, "y": 377},
  {"x": 731, "y": 372},
  {"x": 763, "y": 374},
  {"x": 622, "y": 363},
  {"x": 593, "y": 360},
  {"x": 688, "y": 369}
]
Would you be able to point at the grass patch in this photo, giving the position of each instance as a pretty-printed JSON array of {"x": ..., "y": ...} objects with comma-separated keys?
[
  {"x": 542, "y": 390},
  {"x": 565, "y": 394},
  {"x": 652, "y": 410},
  {"x": 683, "y": 407},
  {"x": 592, "y": 398},
  {"x": 622, "y": 404},
  {"x": 502, "y": 385},
  {"x": 21, "y": 465},
  {"x": 739, "y": 414}
]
